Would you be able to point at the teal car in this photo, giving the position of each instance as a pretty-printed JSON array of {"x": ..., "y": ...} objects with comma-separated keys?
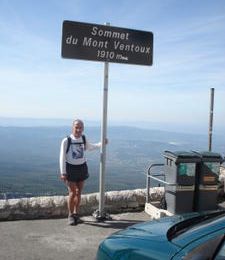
[{"x": 196, "y": 236}]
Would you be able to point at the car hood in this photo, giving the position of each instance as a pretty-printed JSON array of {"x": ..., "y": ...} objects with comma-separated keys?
[
  {"x": 157, "y": 238},
  {"x": 156, "y": 229},
  {"x": 138, "y": 238}
]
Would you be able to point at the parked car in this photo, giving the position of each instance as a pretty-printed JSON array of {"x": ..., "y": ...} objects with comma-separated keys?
[{"x": 197, "y": 236}]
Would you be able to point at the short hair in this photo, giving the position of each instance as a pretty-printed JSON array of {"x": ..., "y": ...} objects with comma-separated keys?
[{"x": 79, "y": 122}]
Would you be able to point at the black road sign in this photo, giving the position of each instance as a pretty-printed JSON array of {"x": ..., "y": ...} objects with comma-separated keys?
[{"x": 106, "y": 43}]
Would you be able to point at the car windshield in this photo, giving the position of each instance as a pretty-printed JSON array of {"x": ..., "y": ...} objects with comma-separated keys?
[{"x": 185, "y": 225}]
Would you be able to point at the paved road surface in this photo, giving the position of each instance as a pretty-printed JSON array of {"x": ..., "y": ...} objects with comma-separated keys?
[{"x": 53, "y": 239}]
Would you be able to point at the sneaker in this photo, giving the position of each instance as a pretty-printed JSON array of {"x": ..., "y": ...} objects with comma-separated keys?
[
  {"x": 71, "y": 220},
  {"x": 77, "y": 219}
]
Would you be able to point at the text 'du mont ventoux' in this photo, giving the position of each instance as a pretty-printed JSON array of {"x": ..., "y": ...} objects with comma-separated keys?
[{"x": 109, "y": 43}]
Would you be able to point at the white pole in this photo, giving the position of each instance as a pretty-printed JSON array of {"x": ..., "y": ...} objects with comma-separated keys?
[
  {"x": 103, "y": 147},
  {"x": 100, "y": 214}
]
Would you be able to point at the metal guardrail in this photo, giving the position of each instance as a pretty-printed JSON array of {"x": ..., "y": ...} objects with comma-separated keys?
[{"x": 149, "y": 176}]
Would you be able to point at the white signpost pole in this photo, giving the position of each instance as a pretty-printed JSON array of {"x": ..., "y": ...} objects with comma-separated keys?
[{"x": 102, "y": 214}]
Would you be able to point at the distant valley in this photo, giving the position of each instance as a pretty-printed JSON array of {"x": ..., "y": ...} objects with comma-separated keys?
[{"x": 29, "y": 157}]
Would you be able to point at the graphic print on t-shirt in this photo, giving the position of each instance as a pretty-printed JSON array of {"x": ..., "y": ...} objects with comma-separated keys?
[{"x": 77, "y": 151}]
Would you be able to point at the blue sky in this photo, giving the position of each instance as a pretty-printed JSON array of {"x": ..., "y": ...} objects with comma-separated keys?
[{"x": 188, "y": 59}]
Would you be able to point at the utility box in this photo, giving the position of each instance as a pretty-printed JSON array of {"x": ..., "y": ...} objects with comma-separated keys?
[
  {"x": 207, "y": 177},
  {"x": 180, "y": 173}
]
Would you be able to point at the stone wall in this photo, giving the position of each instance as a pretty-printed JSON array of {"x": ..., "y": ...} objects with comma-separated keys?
[
  {"x": 56, "y": 206},
  {"x": 115, "y": 202}
]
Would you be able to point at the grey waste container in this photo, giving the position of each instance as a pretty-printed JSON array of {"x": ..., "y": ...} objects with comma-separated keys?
[
  {"x": 180, "y": 170},
  {"x": 207, "y": 175}
]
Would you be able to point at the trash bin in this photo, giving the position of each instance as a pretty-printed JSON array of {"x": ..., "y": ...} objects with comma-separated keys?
[
  {"x": 180, "y": 170},
  {"x": 206, "y": 185}
]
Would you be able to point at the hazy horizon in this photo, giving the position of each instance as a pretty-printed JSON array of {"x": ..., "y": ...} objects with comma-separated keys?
[{"x": 162, "y": 126}]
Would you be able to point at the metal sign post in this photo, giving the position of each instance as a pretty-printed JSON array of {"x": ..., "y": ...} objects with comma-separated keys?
[
  {"x": 211, "y": 118},
  {"x": 101, "y": 214},
  {"x": 106, "y": 44}
]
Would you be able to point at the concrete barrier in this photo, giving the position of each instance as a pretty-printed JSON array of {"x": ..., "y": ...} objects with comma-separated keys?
[{"x": 56, "y": 206}]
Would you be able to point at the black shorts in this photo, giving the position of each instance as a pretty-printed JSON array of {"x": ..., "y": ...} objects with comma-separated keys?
[{"x": 76, "y": 173}]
